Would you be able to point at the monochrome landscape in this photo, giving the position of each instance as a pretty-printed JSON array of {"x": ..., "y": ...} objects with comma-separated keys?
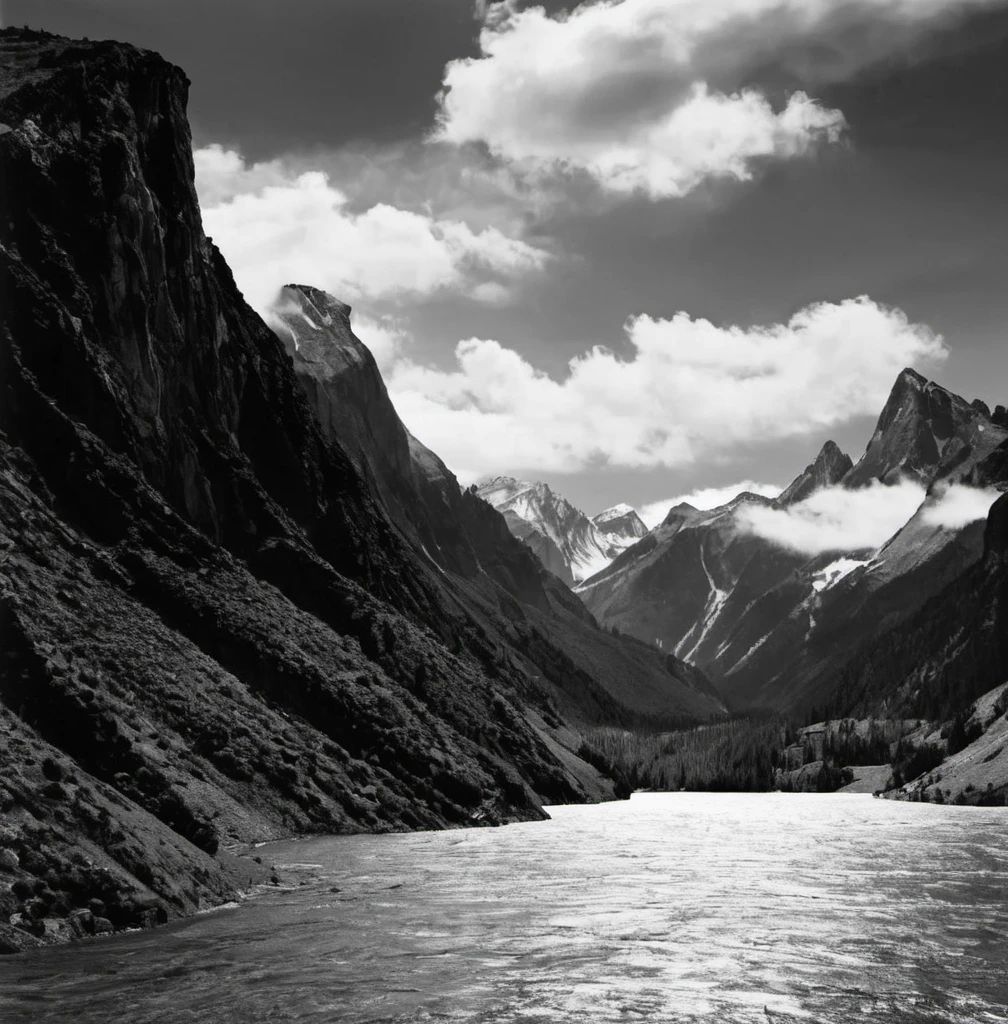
[{"x": 587, "y": 419}]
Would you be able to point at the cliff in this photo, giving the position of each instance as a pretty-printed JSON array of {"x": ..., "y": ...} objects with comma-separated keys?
[
  {"x": 212, "y": 633},
  {"x": 214, "y": 629}
]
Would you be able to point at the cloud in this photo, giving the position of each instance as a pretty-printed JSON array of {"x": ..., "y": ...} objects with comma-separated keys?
[
  {"x": 837, "y": 519},
  {"x": 607, "y": 90},
  {"x": 704, "y": 498},
  {"x": 958, "y": 506},
  {"x": 657, "y": 96},
  {"x": 690, "y": 390},
  {"x": 276, "y": 225}
]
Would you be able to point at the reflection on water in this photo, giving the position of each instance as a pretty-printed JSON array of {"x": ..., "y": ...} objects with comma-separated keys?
[{"x": 670, "y": 907}]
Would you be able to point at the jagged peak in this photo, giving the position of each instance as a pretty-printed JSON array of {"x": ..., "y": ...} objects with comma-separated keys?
[
  {"x": 909, "y": 377},
  {"x": 830, "y": 450},
  {"x": 924, "y": 431},
  {"x": 828, "y": 468},
  {"x": 503, "y": 481},
  {"x": 316, "y": 325}
]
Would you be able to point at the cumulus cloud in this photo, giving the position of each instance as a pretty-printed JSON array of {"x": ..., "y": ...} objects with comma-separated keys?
[
  {"x": 837, "y": 519},
  {"x": 691, "y": 389},
  {"x": 704, "y": 498},
  {"x": 276, "y": 225},
  {"x": 654, "y": 96},
  {"x": 957, "y": 506}
]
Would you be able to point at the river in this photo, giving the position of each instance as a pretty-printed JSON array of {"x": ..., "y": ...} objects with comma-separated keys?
[{"x": 666, "y": 907}]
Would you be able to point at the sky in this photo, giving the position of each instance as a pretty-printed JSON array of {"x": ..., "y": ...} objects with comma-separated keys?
[{"x": 638, "y": 249}]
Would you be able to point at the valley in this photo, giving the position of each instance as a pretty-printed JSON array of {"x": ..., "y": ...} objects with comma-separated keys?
[{"x": 240, "y": 602}]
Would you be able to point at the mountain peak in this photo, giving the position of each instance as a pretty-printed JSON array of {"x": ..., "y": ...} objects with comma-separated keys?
[
  {"x": 925, "y": 432},
  {"x": 829, "y": 468},
  {"x": 566, "y": 541},
  {"x": 621, "y": 521},
  {"x": 909, "y": 377},
  {"x": 679, "y": 514},
  {"x": 614, "y": 512},
  {"x": 314, "y": 327},
  {"x": 325, "y": 305}
]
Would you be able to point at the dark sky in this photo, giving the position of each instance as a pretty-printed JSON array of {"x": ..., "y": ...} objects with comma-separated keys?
[{"x": 912, "y": 208}]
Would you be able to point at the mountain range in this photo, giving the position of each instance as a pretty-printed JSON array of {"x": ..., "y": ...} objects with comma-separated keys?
[
  {"x": 771, "y": 621},
  {"x": 238, "y": 601},
  {"x": 566, "y": 541}
]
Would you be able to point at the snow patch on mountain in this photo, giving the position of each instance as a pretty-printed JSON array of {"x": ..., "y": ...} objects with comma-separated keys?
[
  {"x": 586, "y": 545},
  {"x": 835, "y": 572}
]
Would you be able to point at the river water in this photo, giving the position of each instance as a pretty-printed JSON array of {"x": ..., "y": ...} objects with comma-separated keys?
[{"x": 667, "y": 907}]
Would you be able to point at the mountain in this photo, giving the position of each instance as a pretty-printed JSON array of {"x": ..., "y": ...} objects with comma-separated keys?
[
  {"x": 489, "y": 573},
  {"x": 217, "y": 626},
  {"x": 830, "y": 467},
  {"x": 679, "y": 586},
  {"x": 947, "y": 663},
  {"x": 954, "y": 648},
  {"x": 565, "y": 540},
  {"x": 925, "y": 433},
  {"x": 771, "y": 625},
  {"x": 620, "y": 525}
]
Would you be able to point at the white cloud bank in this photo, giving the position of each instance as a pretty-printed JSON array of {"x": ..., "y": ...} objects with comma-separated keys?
[
  {"x": 958, "y": 506},
  {"x": 650, "y": 95},
  {"x": 838, "y": 519},
  {"x": 704, "y": 498},
  {"x": 691, "y": 389},
  {"x": 607, "y": 89},
  {"x": 276, "y": 225}
]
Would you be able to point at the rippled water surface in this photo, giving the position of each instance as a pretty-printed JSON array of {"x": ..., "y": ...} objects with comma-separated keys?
[{"x": 672, "y": 907}]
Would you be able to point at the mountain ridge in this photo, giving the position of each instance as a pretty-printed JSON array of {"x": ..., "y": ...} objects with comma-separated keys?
[
  {"x": 566, "y": 541},
  {"x": 767, "y": 622},
  {"x": 216, "y": 631}
]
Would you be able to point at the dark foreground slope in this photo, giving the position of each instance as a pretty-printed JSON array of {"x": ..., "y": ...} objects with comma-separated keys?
[{"x": 212, "y": 631}]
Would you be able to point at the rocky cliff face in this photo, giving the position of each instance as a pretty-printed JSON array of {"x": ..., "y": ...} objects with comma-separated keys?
[{"x": 214, "y": 631}]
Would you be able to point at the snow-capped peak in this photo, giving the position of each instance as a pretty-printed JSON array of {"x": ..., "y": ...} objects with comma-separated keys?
[
  {"x": 616, "y": 512},
  {"x": 586, "y": 546}
]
